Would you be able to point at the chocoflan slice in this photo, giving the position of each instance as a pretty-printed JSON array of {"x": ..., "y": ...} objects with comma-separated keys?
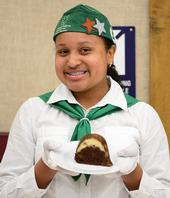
[{"x": 93, "y": 150}]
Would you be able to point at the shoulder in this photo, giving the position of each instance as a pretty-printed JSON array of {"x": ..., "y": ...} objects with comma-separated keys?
[
  {"x": 143, "y": 107},
  {"x": 145, "y": 113},
  {"x": 138, "y": 106},
  {"x": 33, "y": 106}
]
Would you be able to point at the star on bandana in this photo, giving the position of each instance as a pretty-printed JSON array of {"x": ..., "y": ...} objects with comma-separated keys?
[
  {"x": 99, "y": 26},
  {"x": 88, "y": 25}
]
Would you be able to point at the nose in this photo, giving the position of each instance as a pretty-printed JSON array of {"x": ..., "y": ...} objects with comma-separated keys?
[{"x": 73, "y": 60}]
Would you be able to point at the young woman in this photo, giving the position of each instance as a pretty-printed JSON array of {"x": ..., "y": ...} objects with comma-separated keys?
[{"x": 89, "y": 99}]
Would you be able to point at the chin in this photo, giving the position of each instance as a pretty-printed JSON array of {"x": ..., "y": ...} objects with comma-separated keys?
[{"x": 76, "y": 88}]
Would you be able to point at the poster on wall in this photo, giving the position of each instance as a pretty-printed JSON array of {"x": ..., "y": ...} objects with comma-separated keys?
[{"x": 124, "y": 58}]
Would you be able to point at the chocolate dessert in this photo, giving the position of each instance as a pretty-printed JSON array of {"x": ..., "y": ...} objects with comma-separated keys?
[{"x": 93, "y": 150}]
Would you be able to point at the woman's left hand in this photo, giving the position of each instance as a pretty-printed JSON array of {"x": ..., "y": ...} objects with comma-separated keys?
[
  {"x": 128, "y": 158},
  {"x": 128, "y": 164}
]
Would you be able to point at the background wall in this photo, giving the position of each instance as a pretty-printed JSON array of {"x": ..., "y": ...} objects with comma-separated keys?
[{"x": 27, "y": 49}]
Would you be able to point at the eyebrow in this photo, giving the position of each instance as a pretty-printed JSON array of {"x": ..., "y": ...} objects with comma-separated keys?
[{"x": 60, "y": 44}]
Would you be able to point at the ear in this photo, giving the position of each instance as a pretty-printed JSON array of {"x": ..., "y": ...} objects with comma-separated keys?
[{"x": 110, "y": 54}]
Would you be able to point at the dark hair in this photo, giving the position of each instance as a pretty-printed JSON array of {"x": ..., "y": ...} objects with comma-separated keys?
[{"x": 111, "y": 71}]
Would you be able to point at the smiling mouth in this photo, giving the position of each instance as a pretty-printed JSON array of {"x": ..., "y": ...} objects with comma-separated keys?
[{"x": 78, "y": 73}]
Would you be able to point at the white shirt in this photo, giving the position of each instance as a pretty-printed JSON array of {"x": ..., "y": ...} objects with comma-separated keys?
[{"x": 36, "y": 120}]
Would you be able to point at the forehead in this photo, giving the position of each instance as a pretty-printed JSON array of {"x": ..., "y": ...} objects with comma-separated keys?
[{"x": 78, "y": 37}]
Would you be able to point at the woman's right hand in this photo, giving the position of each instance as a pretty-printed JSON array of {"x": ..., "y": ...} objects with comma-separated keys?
[
  {"x": 50, "y": 149},
  {"x": 47, "y": 167}
]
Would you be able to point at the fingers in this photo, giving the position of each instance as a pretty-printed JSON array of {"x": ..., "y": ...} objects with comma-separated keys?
[
  {"x": 51, "y": 148},
  {"x": 131, "y": 150},
  {"x": 127, "y": 158},
  {"x": 126, "y": 165},
  {"x": 52, "y": 145},
  {"x": 51, "y": 160}
]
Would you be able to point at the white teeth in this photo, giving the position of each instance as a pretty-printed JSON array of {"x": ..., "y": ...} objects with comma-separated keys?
[{"x": 75, "y": 73}]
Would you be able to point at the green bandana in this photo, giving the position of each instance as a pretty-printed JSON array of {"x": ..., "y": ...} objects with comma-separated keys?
[
  {"x": 83, "y": 126},
  {"x": 83, "y": 18}
]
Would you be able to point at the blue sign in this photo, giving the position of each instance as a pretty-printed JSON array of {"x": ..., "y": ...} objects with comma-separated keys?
[{"x": 124, "y": 58}]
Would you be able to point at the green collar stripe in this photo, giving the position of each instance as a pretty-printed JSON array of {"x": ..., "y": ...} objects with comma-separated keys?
[{"x": 130, "y": 100}]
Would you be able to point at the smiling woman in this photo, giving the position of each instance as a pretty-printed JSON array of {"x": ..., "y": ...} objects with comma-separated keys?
[{"x": 88, "y": 100}]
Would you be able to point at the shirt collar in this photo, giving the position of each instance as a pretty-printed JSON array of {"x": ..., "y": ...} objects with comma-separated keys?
[{"x": 114, "y": 96}]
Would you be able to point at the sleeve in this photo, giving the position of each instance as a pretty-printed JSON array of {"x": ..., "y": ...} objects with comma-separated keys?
[
  {"x": 17, "y": 167},
  {"x": 154, "y": 155}
]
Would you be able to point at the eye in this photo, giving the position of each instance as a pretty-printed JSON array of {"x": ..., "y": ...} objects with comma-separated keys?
[
  {"x": 62, "y": 52},
  {"x": 85, "y": 51}
]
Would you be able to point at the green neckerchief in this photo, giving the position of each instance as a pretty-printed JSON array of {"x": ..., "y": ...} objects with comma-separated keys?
[{"x": 83, "y": 126}]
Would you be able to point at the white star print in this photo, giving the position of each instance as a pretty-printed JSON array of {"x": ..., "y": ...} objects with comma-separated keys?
[{"x": 99, "y": 26}]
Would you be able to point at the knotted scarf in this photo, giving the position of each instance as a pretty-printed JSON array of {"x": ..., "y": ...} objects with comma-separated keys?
[{"x": 83, "y": 126}]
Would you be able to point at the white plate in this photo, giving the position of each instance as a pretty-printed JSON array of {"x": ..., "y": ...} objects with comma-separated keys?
[{"x": 65, "y": 159}]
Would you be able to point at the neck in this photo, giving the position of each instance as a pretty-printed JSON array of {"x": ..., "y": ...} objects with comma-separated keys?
[{"x": 91, "y": 97}]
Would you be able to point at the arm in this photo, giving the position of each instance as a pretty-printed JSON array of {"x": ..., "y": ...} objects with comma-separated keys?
[
  {"x": 43, "y": 174},
  {"x": 17, "y": 177},
  {"x": 133, "y": 179},
  {"x": 154, "y": 157}
]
